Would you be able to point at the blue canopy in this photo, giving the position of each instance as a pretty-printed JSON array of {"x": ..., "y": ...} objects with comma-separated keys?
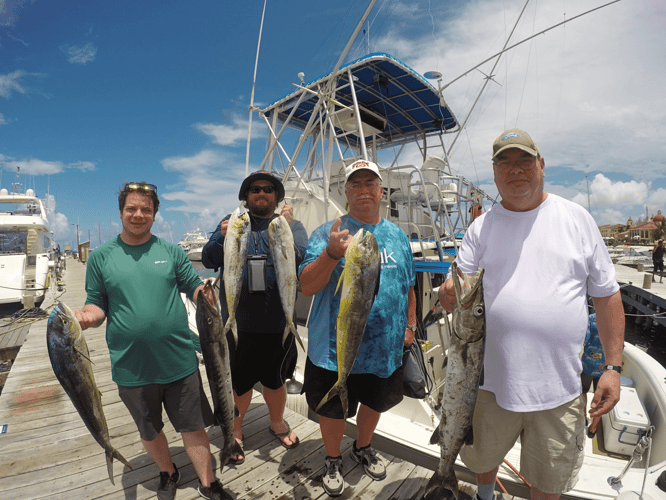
[{"x": 412, "y": 108}]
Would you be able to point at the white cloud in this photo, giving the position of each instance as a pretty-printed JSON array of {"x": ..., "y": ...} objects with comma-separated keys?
[
  {"x": 231, "y": 135},
  {"x": 80, "y": 54},
  {"x": 3, "y": 120},
  {"x": 11, "y": 83},
  {"x": 84, "y": 166},
  {"x": 32, "y": 166}
]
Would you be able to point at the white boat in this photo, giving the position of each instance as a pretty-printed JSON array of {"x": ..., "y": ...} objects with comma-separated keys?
[
  {"x": 193, "y": 242},
  {"x": 26, "y": 248},
  {"x": 377, "y": 108},
  {"x": 636, "y": 255}
]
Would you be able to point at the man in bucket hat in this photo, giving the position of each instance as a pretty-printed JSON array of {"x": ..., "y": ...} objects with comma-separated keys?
[{"x": 260, "y": 355}]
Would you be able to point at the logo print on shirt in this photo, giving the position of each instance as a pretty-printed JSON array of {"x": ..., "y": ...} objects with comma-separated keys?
[
  {"x": 385, "y": 256},
  {"x": 160, "y": 262}
]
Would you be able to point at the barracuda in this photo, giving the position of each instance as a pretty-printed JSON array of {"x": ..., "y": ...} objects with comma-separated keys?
[
  {"x": 71, "y": 364},
  {"x": 359, "y": 283},
  {"x": 464, "y": 374},
  {"x": 215, "y": 351}
]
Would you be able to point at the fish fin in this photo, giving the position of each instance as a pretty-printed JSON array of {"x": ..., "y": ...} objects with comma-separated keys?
[
  {"x": 445, "y": 362},
  {"x": 231, "y": 325},
  {"x": 482, "y": 376},
  {"x": 445, "y": 488},
  {"x": 340, "y": 281},
  {"x": 339, "y": 389},
  {"x": 469, "y": 438},
  {"x": 287, "y": 330},
  {"x": 109, "y": 467},
  {"x": 236, "y": 412},
  {"x": 434, "y": 439},
  {"x": 85, "y": 355}
]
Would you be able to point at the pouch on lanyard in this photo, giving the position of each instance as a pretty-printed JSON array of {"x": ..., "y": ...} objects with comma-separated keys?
[{"x": 256, "y": 270}]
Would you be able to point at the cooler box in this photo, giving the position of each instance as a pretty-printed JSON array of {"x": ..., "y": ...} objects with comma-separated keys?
[{"x": 625, "y": 424}]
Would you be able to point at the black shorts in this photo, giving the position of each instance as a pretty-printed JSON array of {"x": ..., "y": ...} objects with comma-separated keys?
[
  {"x": 658, "y": 265},
  {"x": 587, "y": 381},
  {"x": 184, "y": 401},
  {"x": 260, "y": 357},
  {"x": 378, "y": 394}
]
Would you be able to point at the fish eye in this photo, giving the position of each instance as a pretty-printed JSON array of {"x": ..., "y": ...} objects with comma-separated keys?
[
  {"x": 478, "y": 311},
  {"x": 210, "y": 321}
]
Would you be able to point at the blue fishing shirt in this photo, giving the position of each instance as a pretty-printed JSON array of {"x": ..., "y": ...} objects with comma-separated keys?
[{"x": 381, "y": 349}]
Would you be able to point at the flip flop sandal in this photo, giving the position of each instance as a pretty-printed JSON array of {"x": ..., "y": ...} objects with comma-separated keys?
[
  {"x": 281, "y": 435},
  {"x": 236, "y": 461}
]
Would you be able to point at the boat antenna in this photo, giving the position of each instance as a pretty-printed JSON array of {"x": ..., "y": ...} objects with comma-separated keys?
[
  {"x": 254, "y": 82},
  {"x": 526, "y": 39}
]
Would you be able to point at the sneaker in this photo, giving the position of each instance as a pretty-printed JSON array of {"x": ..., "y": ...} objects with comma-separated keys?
[
  {"x": 168, "y": 485},
  {"x": 213, "y": 492},
  {"x": 332, "y": 480},
  {"x": 373, "y": 466}
]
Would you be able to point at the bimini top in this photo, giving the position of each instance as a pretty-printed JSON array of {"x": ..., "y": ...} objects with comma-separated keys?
[{"x": 398, "y": 103}]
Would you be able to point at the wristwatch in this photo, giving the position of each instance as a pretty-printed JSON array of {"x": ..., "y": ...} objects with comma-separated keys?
[
  {"x": 612, "y": 367},
  {"x": 411, "y": 327}
]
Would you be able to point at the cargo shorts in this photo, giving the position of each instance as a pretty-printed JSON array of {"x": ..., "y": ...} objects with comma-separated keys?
[{"x": 552, "y": 442}]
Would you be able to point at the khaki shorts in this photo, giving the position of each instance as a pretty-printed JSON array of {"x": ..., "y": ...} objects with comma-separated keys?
[{"x": 552, "y": 442}]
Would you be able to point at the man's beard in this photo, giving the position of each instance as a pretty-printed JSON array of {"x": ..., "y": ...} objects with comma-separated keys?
[{"x": 263, "y": 211}]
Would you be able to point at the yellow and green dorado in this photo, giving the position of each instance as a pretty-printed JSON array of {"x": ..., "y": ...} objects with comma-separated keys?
[{"x": 359, "y": 283}]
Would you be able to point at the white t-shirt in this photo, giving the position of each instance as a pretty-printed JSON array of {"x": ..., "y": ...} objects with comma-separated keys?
[{"x": 539, "y": 265}]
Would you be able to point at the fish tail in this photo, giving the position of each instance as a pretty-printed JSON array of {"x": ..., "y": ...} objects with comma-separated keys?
[
  {"x": 232, "y": 325},
  {"x": 290, "y": 328},
  {"x": 234, "y": 449},
  {"x": 112, "y": 453},
  {"x": 339, "y": 389},
  {"x": 444, "y": 487}
]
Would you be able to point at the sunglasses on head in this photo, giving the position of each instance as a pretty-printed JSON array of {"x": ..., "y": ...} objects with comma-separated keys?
[
  {"x": 259, "y": 189},
  {"x": 144, "y": 186}
]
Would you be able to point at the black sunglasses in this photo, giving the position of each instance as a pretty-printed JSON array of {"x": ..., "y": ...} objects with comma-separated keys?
[
  {"x": 259, "y": 189},
  {"x": 133, "y": 186}
]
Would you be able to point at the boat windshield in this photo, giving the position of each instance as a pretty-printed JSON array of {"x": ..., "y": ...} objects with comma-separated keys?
[{"x": 13, "y": 241}]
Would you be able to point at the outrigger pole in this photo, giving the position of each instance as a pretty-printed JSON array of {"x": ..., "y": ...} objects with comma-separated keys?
[{"x": 254, "y": 81}]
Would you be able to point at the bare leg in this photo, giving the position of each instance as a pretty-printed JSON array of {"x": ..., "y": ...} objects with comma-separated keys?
[
  {"x": 332, "y": 430},
  {"x": 198, "y": 449},
  {"x": 366, "y": 420},
  {"x": 158, "y": 449},
  {"x": 242, "y": 403},
  {"x": 276, "y": 400}
]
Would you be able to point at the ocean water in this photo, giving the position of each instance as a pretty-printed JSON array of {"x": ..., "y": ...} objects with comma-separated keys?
[{"x": 203, "y": 272}]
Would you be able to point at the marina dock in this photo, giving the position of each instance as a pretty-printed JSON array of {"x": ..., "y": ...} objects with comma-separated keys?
[{"x": 47, "y": 452}]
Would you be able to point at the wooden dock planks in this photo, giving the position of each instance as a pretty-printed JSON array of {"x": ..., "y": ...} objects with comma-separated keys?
[{"x": 47, "y": 451}]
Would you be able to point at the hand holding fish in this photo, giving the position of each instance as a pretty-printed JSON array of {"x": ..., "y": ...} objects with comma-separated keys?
[
  {"x": 288, "y": 213},
  {"x": 338, "y": 241},
  {"x": 89, "y": 316},
  {"x": 223, "y": 227},
  {"x": 447, "y": 296}
]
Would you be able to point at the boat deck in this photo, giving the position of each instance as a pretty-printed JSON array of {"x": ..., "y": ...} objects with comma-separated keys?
[{"x": 47, "y": 452}]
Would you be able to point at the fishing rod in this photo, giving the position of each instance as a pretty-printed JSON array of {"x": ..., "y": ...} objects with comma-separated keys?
[
  {"x": 254, "y": 82},
  {"x": 527, "y": 39}
]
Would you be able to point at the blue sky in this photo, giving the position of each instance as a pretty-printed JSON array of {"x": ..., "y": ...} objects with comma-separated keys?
[{"x": 94, "y": 93}]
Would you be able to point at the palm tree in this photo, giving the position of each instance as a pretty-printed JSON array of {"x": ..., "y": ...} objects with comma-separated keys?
[{"x": 660, "y": 232}]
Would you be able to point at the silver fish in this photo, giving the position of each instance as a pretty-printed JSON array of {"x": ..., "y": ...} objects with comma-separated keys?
[
  {"x": 359, "y": 282},
  {"x": 281, "y": 243},
  {"x": 235, "y": 256},
  {"x": 464, "y": 374},
  {"x": 71, "y": 364},
  {"x": 215, "y": 351}
]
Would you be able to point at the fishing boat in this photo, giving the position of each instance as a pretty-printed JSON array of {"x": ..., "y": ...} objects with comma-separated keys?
[
  {"x": 193, "y": 242},
  {"x": 26, "y": 247},
  {"x": 377, "y": 108}
]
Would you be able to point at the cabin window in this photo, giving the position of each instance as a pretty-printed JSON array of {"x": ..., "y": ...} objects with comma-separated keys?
[{"x": 13, "y": 241}]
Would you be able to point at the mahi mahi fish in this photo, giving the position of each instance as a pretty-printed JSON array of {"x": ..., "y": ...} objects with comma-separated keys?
[
  {"x": 281, "y": 243},
  {"x": 215, "y": 351},
  {"x": 464, "y": 374},
  {"x": 359, "y": 282},
  {"x": 235, "y": 257},
  {"x": 71, "y": 364}
]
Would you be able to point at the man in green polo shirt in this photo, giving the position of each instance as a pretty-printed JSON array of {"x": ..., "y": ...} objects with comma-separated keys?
[{"x": 134, "y": 281}]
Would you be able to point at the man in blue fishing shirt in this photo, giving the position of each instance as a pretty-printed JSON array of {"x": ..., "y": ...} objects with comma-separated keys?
[{"x": 375, "y": 381}]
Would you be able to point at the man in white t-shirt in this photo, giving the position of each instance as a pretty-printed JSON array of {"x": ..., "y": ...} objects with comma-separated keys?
[{"x": 542, "y": 256}]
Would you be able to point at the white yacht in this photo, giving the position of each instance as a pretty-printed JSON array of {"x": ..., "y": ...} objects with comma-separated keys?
[
  {"x": 193, "y": 243},
  {"x": 26, "y": 248}
]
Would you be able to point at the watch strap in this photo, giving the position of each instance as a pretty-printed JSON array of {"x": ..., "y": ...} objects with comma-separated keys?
[{"x": 612, "y": 367}]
